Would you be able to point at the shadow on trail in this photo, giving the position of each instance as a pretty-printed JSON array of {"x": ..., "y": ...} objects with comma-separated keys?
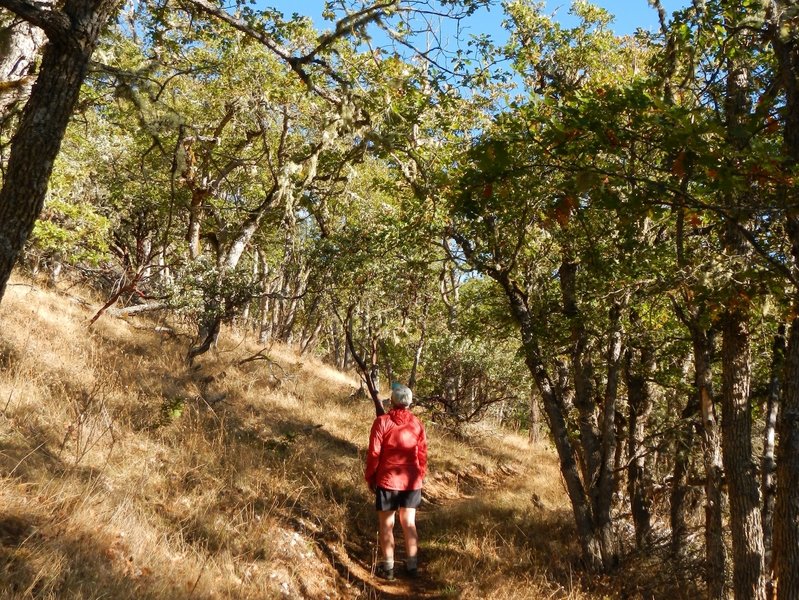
[{"x": 325, "y": 500}]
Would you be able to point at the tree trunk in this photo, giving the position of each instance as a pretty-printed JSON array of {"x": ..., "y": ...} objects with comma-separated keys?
[
  {"x": 739, "y": 464},
  {"x": 346, "y": 359},
  {"x": 309, "y": 343},
  {"x": 603, "y": 520},
  {"x": 598, "y": 445},
  {"x": 208, "y": 336},
  {"x": 583, "y": 371},
  {"x": 417, "y": 355},
  {"x": 535, "y": 417},
  {"x": 639, "y": 365},
  {"x": 736, "y": 418},
  {"x": 554, "y": 409},
  {"x": 684, "y": 445},
  {"x": 72, "y": 36},
  {"x": 265, "y": 328},
  {"x": 335, "y": 343},
  {"x": 245, "y": 314},
  {"x": 768, "y": 465},
  {"x": 786, "y": 509},
  {"x": 20, "y": 48},
  {"x": 715, "y": 555},
  {"x": 196, "y": 207},
  {"x": 365, "y": 373},
  {"x": 621, "y": 449}
]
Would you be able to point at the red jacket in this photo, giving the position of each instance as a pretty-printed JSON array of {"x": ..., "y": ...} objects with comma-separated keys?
[{"x": 397, "y": 457}]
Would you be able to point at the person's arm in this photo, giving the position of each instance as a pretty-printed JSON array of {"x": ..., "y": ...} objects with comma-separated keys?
[
  {"x": 421, "y": 451},
  {"x": 373, "y": 454}
]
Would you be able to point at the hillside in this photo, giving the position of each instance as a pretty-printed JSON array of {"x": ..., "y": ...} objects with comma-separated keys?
[{"x": 127, "y": 474}]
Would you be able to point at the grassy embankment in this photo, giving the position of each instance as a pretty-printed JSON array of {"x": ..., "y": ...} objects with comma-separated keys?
[{"x": 124, "y": 473}]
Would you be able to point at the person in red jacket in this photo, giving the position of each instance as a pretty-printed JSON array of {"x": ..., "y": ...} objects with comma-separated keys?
[{"x": 395, "y": 468}]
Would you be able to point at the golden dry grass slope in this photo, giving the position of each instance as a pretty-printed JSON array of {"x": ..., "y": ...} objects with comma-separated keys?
[{"x": 125, "y": 473}]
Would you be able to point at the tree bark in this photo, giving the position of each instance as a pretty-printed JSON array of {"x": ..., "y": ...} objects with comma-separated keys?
[
  {"x": 19, "y": 49},
  {"x": 598, "y": 445},
  {"x": 198, "y": 197},
  {"x": 739, "y": 465},
  {"x": 583, "y": 374},
  {"x": 535, "y": 418},
  {"x": 607, "y": 479},
  {"x": 715, "y": 553},
  {"x": 736, "y": 421},
  {"x": 786, "y": 509},
  {"x": 365, "y": 373},
  {"x": 72, "y": 34},
  {"x": 684, "y": 445},
  {"x": 417, "y": 355},
  {"x": 768, "y": 465},
  {"x": 639, "y": 365},
  {"x": 554, "y": 409}
]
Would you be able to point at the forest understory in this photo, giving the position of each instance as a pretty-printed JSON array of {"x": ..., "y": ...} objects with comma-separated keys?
[
  {"x": 126, "y": 473},
  {"x": 550, "y": 228}
]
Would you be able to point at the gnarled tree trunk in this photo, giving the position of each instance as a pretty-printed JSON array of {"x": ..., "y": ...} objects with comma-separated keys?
[
  {"x": 72, "y": 33},
  {"x": 555, "y": 410},
  {"x": 19, "y": 49},
  {"x": 786, "y": 509},
  {"x": 639, "y": 365}
]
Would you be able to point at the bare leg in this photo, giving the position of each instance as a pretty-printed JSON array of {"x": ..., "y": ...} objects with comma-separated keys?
[
  {"x": 385, "y": 519},
  {"x": 408, "y": 522}
]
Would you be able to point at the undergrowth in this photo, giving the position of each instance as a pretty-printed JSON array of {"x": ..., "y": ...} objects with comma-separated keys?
[{"x": 126, "y": 473}]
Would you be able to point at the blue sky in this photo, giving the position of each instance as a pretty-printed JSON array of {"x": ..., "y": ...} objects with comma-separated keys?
[{"x": 629, "y": 14}]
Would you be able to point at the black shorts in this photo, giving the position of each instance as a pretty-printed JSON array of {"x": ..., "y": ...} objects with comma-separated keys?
[{"x": 394, "y": 499}]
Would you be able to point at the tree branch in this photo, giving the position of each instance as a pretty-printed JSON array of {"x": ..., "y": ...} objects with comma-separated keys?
[
  {"x": 364, "y": 370},
  {"x": 349, "y": 23},
  {"x": 297, "y": 63},
  {"x": 55, "y": 24}
]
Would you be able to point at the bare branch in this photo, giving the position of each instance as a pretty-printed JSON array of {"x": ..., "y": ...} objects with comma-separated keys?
[{"x": 348, "y": 24}]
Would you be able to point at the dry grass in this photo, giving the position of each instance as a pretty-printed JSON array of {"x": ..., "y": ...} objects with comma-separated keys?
[{"x": 126, "y": 474}]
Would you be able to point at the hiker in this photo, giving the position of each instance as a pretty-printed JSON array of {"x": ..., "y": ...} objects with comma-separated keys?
[{"x": 395, "y": 467}]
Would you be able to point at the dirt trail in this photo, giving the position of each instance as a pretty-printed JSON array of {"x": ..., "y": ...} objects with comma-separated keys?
[{"x": 442, "y": 492}]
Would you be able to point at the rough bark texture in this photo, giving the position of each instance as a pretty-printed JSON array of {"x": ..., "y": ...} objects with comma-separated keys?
[
  {"x": 606, "y": 485},
  {"x": 715, "y": 553},
  {"x": 535, "y": 418},
  {"x": 684, "y": 445},
  {"x": 597, "y": 444},
  {"x": 739, "y": 464},
  {"x": 73, "y": 35},
  {"x": 768, "y": 465},
  {"x": 583, "y": 375},
  {"x": 786, "y": 510},
  {"x": 553, "y": 406},
  {"x": 20, "y": 43},
  {"x": 639, "y": 365},
  {"x": 736, "y": 426}
]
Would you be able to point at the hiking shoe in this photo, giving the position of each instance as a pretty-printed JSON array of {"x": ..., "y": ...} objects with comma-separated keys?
[
  {"x": 412, "y": 573},
  {"x": 385, "y": 573}
]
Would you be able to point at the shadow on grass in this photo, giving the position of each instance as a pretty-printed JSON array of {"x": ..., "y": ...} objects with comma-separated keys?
[
  {"x": 513, "y": 541},
  {"x": 73, "y": 564},
  {"x": 29, "y": 453}
]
